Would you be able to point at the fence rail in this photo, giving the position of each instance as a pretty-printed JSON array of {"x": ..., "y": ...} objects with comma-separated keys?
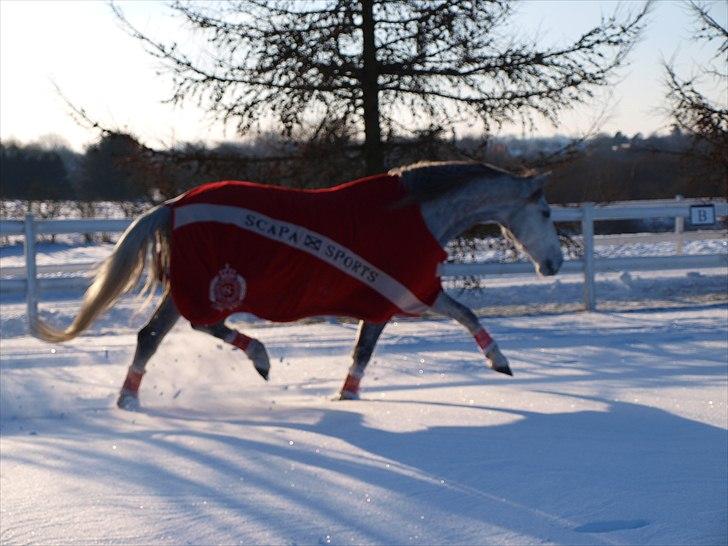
[
  {"x": 78, "y": 270},
  {"x": 57, "y": 227},
  {"x": 27, "y": 279}
]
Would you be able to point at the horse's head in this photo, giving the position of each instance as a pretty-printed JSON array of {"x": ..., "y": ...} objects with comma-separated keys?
[
  {"x": 530, "y": 227},
  {"x": 455, "y": 195}
]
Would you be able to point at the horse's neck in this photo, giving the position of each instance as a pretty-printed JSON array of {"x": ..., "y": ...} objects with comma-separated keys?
[{"x": 452, "y": 214}]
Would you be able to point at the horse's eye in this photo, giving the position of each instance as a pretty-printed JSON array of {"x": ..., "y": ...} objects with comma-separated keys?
[{"x": 546, "y": 213}]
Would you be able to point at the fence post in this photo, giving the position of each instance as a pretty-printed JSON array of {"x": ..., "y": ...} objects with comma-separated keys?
[
  {"x": 31, "y": 283},
  {"x": 587, "y": 232},
  {"x": 679, "y": 228}
]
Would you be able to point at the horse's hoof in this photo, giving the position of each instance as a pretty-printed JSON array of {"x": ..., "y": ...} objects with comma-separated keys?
[
  {"x": 347, "y": 395},
  {"x": 497, "y": 360},
  {"x": 128, "y": 401},
  {"x": 506, "y": 370},
  {"x": 257, "y": 353}
]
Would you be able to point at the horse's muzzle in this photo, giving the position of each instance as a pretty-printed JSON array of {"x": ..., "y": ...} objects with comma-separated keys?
[{"x": 550, "y": 267}]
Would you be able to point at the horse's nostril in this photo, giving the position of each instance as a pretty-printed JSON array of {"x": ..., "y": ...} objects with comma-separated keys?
[{"x": 548, "y": 268}]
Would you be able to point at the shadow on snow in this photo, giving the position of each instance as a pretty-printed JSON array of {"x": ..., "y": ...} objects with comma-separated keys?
[{"x": 537, "y": 475}]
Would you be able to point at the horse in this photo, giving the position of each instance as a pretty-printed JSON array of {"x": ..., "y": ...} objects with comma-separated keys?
[{"x": 409, "y": 215}]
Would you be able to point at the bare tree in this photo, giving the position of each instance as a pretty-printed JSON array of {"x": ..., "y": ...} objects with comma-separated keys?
[
  {"x": 364, "y": 64},
  {"x": 688, "y": 104}
]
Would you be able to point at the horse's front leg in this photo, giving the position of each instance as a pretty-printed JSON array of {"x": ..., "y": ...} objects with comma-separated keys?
[
  {"x": 366, "y": 339},
  {"x": 447, "y": 306},
  {"x": 253, "y": 349}
]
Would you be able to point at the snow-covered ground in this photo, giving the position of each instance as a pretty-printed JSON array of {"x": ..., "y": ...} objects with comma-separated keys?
[{"x": 613, "y": 431}]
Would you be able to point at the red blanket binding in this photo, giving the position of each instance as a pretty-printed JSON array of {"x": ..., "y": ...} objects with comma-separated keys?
[{"x": 284, "y": 254}]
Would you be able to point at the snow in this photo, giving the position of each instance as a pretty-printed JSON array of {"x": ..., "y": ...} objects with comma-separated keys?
[
  {"x": 690, "y": 248},
  {"x": 65, "y": 251},
  {"x": 614, "y": 430}
]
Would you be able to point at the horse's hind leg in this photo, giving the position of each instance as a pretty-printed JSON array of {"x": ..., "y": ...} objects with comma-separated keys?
[
  {"x": 148, "y": 340},
  {"x": 447, "y": 306},
  {"x": 366, "y": 339},
  {"x": 254, "y": 349}
]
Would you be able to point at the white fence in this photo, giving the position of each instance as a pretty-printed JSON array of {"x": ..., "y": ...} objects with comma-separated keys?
[{"x": 26, "y": 278}]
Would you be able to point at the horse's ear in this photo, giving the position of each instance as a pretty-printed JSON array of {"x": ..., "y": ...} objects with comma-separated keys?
[
  {"x": 540, "y": 180},
  {"x": 537, "y": 184}
]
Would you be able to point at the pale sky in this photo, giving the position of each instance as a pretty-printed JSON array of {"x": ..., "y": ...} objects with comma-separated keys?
[{"x": 80, "y": 46}]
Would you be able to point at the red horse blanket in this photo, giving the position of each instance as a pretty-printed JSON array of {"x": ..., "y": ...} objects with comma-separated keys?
[{"x": 284, "y": 254}]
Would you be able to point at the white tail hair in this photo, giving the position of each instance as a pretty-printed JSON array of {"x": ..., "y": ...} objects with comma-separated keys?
[{"x": 121, "y": 271}]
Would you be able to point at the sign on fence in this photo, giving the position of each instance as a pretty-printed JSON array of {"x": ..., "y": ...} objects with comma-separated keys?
[{"x": 702, "y": 215}]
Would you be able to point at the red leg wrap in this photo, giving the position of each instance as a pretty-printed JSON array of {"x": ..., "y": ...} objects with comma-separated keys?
[
  {"x": 483, "y": 339},
  {"x": 241, "y": 341},
  {"x": 132, "y": 381},
  {"x": 351, "y": 384}
]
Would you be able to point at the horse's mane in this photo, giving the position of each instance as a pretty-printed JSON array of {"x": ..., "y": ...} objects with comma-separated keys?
[{"x": 428, "y": 180}]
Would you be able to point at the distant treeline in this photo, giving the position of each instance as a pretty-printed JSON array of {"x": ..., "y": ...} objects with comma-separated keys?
[{"x": 119, "y": 168}]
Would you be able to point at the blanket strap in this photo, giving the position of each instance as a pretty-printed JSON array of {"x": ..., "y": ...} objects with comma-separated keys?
[
  {"x": 351, "y": 384},
  {"x": 484, "y": 341},
  {"x": 133, "y": 381},
  {"x": 241, "y": 341}
]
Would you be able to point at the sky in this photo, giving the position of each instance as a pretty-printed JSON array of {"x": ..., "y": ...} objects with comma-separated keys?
[{"x": 68, "y": 44}]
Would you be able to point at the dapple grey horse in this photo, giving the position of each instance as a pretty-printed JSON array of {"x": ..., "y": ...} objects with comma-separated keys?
[{"x": 452, "y": 196}]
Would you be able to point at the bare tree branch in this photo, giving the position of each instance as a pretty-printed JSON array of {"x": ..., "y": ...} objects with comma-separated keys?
[
  {"x": 689, "y": 107},
  {"x": 439, "y": 60}
]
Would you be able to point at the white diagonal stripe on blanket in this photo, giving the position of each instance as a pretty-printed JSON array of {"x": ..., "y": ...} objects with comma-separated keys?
[{"x": 306, "y": 240}]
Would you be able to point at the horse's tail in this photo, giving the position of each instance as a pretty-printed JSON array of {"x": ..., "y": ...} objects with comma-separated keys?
[{"x": 121, "y": 271}]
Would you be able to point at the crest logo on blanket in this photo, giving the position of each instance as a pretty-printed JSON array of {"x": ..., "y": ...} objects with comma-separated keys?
[{"x": 227, "y": 289}]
